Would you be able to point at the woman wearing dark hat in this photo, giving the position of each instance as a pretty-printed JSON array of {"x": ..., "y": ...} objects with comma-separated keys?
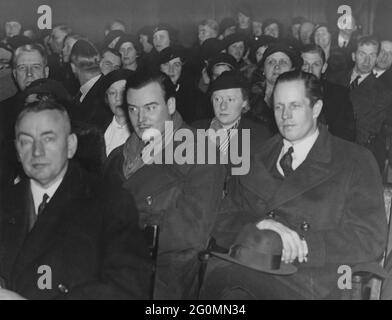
[
  {"x": 227, "y": 27},
  {"x": 272, "y": 27},
  {"x": 278, "y": 58},
  {"x": 259, "y": 46},
  {"x": 111, "y": 38},
  {"x": 130, "y": 50},
  {"x": 118, "y": 130}
]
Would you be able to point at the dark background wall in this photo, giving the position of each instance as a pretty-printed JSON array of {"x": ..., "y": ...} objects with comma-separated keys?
[{"x": 90, "y": 16}]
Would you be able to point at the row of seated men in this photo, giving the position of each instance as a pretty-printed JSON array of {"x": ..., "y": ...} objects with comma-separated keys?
[{"x": 300, "y": 187}]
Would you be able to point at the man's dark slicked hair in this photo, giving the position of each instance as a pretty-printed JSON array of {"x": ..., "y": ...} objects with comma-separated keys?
[
  {"x": 142, "y": 78},
  {"x": 314, "y": 48},
  {"x": 313, "y": 85}
]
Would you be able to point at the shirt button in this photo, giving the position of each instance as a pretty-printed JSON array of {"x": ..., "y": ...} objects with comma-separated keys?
[
  {"x": 271, "y": 215},
  {"x": 63, "y": 288},
  {"x": 305, "y": 226},
  {"x": 149, "y": 200}
]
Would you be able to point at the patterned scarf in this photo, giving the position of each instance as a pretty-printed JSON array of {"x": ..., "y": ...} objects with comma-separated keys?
[
  {"x": 229, "y": 133},
  {"x": 134, "y": 148}
]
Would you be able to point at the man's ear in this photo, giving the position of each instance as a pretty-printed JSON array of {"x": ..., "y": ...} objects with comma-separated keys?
[
  {"x": 73, "y": 68},
  {"x": 325, "y": 66},
  {"x": 72, "y": 145},
  {"x": 353, "y": 56},
  {"x": 171, "y": 105},
  {"x": 46, "y": 72},
  {"x": 318, "y": 106}
]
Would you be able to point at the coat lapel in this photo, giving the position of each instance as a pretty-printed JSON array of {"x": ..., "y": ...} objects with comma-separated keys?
[
  {"x": 46, "y": 228},
  {"x": 314, "y": 170}
]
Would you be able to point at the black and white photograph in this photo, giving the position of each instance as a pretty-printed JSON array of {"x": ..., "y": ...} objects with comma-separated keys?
[{"x": 209, "y": 151}]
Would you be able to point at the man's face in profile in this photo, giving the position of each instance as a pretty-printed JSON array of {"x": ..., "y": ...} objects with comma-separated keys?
[
  {"x": 44, "y": 145},
  {"x": 12, "y": 28}
]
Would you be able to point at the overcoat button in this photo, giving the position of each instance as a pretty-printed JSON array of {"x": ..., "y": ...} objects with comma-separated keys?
[
  {"x": 149, "y": 200},
  {"x": 271, "y": 215},
  {"x": 305, "y": 226},
  {"x": 63, "y": 288}
]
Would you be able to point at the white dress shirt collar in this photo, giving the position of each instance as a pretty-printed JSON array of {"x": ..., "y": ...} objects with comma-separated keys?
[
  {"x": 301, "y": 150},
  {"x": 84, "y": 89},
  {"x": 38, "y": 192}
]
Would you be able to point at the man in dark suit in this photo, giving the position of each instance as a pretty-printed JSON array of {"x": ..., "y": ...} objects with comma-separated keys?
[
  {"x": 180, "y": 197},
  {"x": 369, "y": 96},
  {"x": 337, "y": 112},
  {"x": 62, "y": 235},
  {"x": 321, "y": 194},
  {"x": 90, "y": 105}
]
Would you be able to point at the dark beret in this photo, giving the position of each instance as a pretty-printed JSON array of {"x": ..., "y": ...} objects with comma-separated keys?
[
  {"x": 262, "y": 41},
  {"x": 128, "y": 38},
  {"x": 111, "y": 36},
  {"x": 235, "y": 37},
  {"x": 18, "y": 41},
  {"x": 49, "y": 87},
  {"x": 163, "y": 26},
  {"x": 229, "y": 80},
  {"x": 245, "y": 9},
  {"x": 114, "y": 76},
  {"x": 222, "y": 58},
  {"x": 227, "y": 23},
  {"x": 293, "y": 54},
  {"x": 171, "y": 53},
  {"x": 210, "y": 48}
]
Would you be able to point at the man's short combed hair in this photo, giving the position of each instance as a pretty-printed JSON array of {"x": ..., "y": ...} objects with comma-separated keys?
[
  {"x": 314, "y": 48},
  {"x": 210, "y": 23},
  {"x": 313, "y": 86},
  {"x": 142, "y": 78},
  {"x": 369, "y": 40},
  {"x": 85, "y": 56},
  {"x": 30, "y": 48},
  {"x": 43, "y": 105}
]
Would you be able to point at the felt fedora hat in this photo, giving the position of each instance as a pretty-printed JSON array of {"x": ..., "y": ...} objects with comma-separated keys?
[{"x": 259, "y": 250}]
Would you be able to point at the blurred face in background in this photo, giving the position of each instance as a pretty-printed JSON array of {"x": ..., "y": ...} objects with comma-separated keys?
[
  {"x": 243, "y": 20},
  {"x": 115, "y": 97},
  {"x": 384, "y": 60},
  {"x": 56, "y": 40},
  {"x": 219, "y": 68},
  {"x": 161, "y": 40},
  {"x": 147, "y": 46},
  {"x": 257, "y": 28},
  {"x": 66, "y": 51},
  {"x": 237, "y": 50},
  {"x": 313, "y": 63},
  {"x": 206, "y": 32},
  {"x": 295, "y": 30},
  {"x": 12, "y": 28},
  {"x": 305, "y": 32},
  {"x": 5, "y": 58},
  {"x": 365, "y": 58},
  {"x": 272, "y": 30},
  {"x": 109, "y": 62},
  {"x": 259, "y": 52},
  {"x": 128, "y": 53},
  {"x": 322, "y": 37}
]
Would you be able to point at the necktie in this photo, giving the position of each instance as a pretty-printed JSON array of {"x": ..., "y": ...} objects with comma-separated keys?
[
  {"x": 355, "y": 83},
  {"x": 41, "y": 207},
  {"x": 286, "y": 162}
]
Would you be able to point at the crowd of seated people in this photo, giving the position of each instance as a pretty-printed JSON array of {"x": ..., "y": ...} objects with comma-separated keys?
[{"x": 77, "y": 119}]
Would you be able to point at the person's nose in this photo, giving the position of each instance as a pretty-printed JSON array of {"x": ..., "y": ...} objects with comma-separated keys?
[
  {"x": 223, "y": 105},
  {"x": 38, "y": 149},
  {"x": 286, "y": 113},
  {"x": 141, "y": 115},
  {"x": 306, "y": 68}
]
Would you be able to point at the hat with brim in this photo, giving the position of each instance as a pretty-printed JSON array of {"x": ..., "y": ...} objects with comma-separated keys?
[
  {"x": 234, "y": 38},
  {"x": 114, "y": 76},
  {"x": 293, "y": 54},
  {"x": 111, "y": 36},
  {"x": 260, "y": 250},
  {"x": 222, "y": 58},
  {"x": 128, "y": 38},
  {"x": 171, "y": 53}
]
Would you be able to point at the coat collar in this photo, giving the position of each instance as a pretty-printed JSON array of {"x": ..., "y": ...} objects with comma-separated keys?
[
  {"x": 314, "y": 170},
  {"x": 29, "y": 245}
]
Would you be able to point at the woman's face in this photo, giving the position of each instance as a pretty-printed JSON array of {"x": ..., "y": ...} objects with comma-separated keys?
[
  {"x": 115, "y": 97},
  {"x": 276, "y": 64},
  {"x": 272, "y": 30},
  {"x": 128, "y": 53},
  {"x": 259, "y": 53},
  {"x": 322, "y": 37}
]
